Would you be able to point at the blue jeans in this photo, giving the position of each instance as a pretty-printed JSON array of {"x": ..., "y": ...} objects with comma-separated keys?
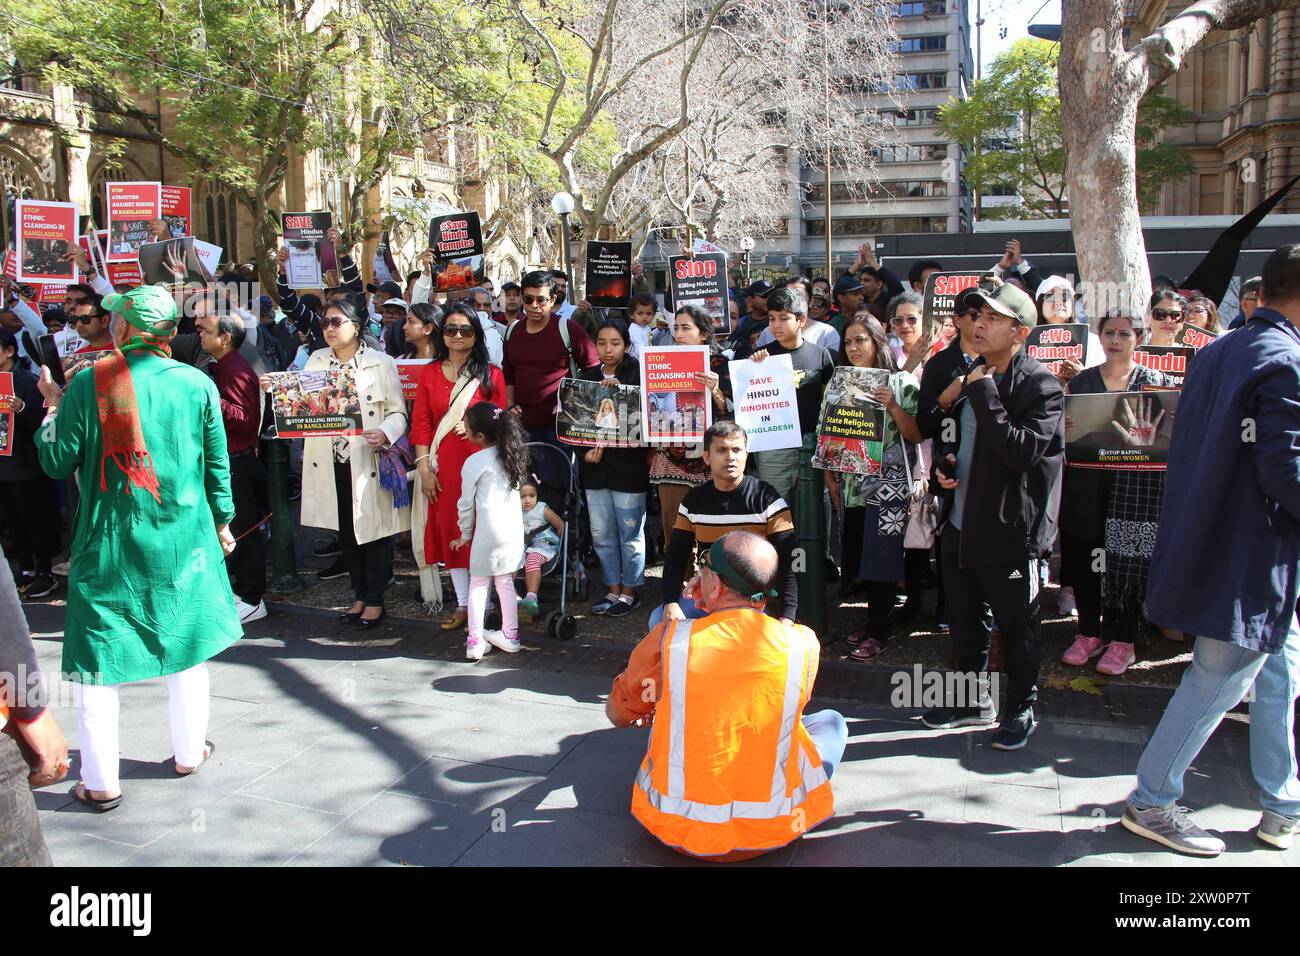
[
  {"x": 1218, "y": 678},
  {"x": 688, "y": 608},
  {"x": 618, "y": 535},
  {"x": 830, "y": 734}
]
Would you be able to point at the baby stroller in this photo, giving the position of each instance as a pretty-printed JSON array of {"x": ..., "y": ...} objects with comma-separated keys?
[{"x": 557, "y": 477}]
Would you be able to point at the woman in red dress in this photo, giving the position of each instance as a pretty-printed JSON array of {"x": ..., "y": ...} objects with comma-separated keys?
[{"x": 445, "y": 393}]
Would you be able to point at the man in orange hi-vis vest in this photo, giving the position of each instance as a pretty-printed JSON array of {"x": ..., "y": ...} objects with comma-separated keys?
[{"x": 733, "y": 769}]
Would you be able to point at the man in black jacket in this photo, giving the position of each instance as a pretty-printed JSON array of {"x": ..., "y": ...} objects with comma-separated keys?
[{"x": 1000, "y": 513}]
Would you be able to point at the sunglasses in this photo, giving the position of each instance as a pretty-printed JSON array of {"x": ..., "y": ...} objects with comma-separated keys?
[
  {"x": 1167, "y": 315},
  {"x": 334, "y": 322},
  {"x": 903, "y": 320},
  {"x": 467, "y": 331},
  {"x": 536, "y": 300},
  {"x": 84, "y": 319}
]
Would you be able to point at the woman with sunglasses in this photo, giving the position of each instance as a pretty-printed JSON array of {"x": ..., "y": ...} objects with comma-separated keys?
[
  {"x": 875, "y": 507},
  {"x": 1166, "y": 312},
  {"x": 459, "y": 377},
  {"x": 341, "y": 490},
  {"x": 676, "y": 469},
  {"x": 906, "y": 325},
  {"x": 1203, "y": 313},
  {"x": 1111, "y": 513}
]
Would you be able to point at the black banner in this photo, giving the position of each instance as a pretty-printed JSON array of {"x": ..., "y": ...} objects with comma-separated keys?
[
  {"x": 1170, "y": 360},
  {"x": 609, "y": 274},
  {"x": 1054, "y": 344},
  {"x": 941, "y": 291},
  {"x": 457, "y": 244},
  {"x": 701, "y": 280}
]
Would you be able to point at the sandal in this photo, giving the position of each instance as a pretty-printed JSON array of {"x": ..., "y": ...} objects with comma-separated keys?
[
  {"x": 209, "y": 748},
  {"x": 457, "y": 621},
  {"x": 869, "y": 649},
  {"x": 856, "y": 638},
  {"x": 82, "y": 795}
]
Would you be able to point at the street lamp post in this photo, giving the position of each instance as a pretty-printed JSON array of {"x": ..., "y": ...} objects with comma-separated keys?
[
  {"x": 746, "y": 247},
  {"x": 562, "y": 206}
]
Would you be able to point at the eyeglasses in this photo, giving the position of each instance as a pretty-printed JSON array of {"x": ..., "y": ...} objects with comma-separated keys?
[
  {"x": 84, "y": 319},
  {"x": 1198, "y": 310},
  {"x": 334, "y": 322},
  {"x": 1167, "y": 315},
  {"x": 536, "y": 300},
  {"x": 467, "y": 331},
  {"x": 903, "y": 320}
]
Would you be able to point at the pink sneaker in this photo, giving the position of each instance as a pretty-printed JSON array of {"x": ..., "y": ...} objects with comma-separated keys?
[
  {"x": 1117, "y": 659},
  {"x": 1081, "y": 651}
]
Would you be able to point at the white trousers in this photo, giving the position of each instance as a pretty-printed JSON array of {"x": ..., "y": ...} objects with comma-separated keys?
[
  {"x": 460, "y": 581},
  {"x": 187, "y": 708}
]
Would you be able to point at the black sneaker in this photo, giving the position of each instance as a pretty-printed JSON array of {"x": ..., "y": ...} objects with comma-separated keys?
[
  {"x": 832, "y": 572},
  {"x": 329, "y": 548},
  {"x": 42, "y": 586},
  {"x": 620, "y": 607},
  {"x": 1015, "y": 730},
  {"x": 336, "y": 570},
  {"x": 945, "y": 718},
  {"x": 23, "y": 580}
]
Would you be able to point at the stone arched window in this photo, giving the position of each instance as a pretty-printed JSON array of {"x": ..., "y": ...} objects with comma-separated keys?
[
  {"x": 20, "y": 181},
  {"x": 221, "y": 219},
  {"x": 123, "y": 171}
]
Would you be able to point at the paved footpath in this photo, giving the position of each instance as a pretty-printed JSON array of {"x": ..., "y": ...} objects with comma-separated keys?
[{"x": 394, "y": 752}]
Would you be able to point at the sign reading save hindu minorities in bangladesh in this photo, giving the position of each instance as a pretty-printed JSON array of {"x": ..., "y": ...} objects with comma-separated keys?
[
  {"x": 851, "y": 430},
  {"x": 1054, "y": 344},
  {"x": 47, "y": 231},
  {"x": 457, "y": 244},
  {"x": 132, "y": 208},
  {"x": 674, "y": 405},
  {"x": 592, "y": 413},
  {"x": 1126, "y": 431},
  {"x": 765, "y": 406},
  {"x": 701, "y": 281},
  {"x": 318, "y": 403},
  {"x": 1195, "y": 336},
  {"x": 609, "y": 274},
  {"x": 1171, "y": 360}
]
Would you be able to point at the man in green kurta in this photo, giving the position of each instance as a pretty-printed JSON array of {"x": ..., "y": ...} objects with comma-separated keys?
[{"x": 148, "y": 594}]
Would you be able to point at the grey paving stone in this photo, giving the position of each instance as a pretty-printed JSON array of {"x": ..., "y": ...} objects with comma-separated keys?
[
  {"x": 469, "y": 688},
  {"x": 544, "y": 836},
  {"x": 264, "y": 746},
  {"x": 480, "y": 787},
  {"x": 396, "y": 829},
  {"x": 900, "y": 843},
  {"x": 597, "y": 775},
  {"x": 1011, "y": 805},
  {"x": 566, "y": 690},
  {"x": 238, "y": 830},
  {"x": 73, "y": 847}
]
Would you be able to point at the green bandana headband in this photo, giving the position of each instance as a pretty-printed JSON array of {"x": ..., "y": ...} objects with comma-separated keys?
[{"x": 715, "y": 559}]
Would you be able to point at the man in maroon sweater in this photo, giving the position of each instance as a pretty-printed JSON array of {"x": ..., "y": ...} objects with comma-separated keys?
[
  {"x": 220, "y": 335},
  {"x": 536, "y": 358}
]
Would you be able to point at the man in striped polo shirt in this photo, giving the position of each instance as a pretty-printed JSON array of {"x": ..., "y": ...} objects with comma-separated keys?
[{"x": 731, "y": 501}]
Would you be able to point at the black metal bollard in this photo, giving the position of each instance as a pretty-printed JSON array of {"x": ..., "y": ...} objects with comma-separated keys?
[
  {"x": 810, "y": 525},
  {"x": 284, "y": 564}
]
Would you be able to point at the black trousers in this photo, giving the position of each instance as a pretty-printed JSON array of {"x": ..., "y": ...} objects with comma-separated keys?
[
  {"x": 247, "y": 563},
  {"x": 1114, "y": 622},
  {"x": 32, "y": 519},
  {"x": 370, "y": 565},
  {"x": 1010, "y": 592}
]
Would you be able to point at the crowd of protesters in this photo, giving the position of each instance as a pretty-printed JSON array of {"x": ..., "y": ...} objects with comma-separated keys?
[{"x": 973, "y": 496}]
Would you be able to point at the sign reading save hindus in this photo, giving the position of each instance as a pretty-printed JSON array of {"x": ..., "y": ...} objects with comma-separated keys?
[{"x": 765, "y": 406}]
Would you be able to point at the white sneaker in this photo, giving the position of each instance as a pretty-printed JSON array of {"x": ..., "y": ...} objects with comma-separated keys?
[
  {"x": 250, "y": 612},
  {"x": 61, "y": 569},
  {"x": 499, "y": 639},
  {"x": 1065, "y": 603},
  {"x": 474, "y": 650}
]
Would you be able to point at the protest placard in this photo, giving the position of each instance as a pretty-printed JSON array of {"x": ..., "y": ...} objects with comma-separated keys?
[
  {"x": 594, "y": 414},
  {"x": 1194, "y": 336},
  {"x": 701, "y": 281},
  {"x": 50, "y": 293},
  {"x": 6, "y": 416},
  {"x": 609, "y": 274},
  {"x": 209, "y": 256},
  {"x": 46, "y": 232},
  {"x": 125, "y": 273},
  {"x": 132, "y": 209},
  {"x": 76, "y": 361},
  {"x": 941, "y": 291},
  {"x": 310, "y": 253},
  {"x": 457, "y": 244},
  {"x": 409, "y": 371},
  {"x": 1053, "y": 344},
  {"x": 1170, "y": 360},
  {"x": 318, "y": 403},
  {"x": 176, "y": 210},
  {"x": 851, "y": 428},
  {"x": 1125, "y": 431},
  {"x": 764, "y": 393},
  {"x": 94, "y": 244},
  {"x": 674, "y": 406},
  {"x": 171, "y": 262}
]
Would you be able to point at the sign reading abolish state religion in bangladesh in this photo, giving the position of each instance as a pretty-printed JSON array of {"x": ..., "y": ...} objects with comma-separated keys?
[
  {"x": 132, "y": 208},
  {"x": 1054, "y": 344},
  {"x": 1195, "y": 336},
  {"x": 609, "y": 274},
  {"x": 457, "y": 244},
  {"x": 674, "y": 406},
  {"x": 311, "y": 255},
  {"x": 1124, "y": 431},
  {"x": 317, "y": 403},
  {"x": 47, "y": 231},
  {"x": 941, "y": 291},
  {"x": 851, "y": 430},
  {"x": 1170, "y": 359},
  {"x": 592, "y": 413},
  {"x": 701, "y": 281},
  {"x": 765, "y": 406}
]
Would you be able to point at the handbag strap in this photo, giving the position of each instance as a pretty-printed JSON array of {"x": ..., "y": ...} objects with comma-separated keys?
[{"x": 466, "y": 390}]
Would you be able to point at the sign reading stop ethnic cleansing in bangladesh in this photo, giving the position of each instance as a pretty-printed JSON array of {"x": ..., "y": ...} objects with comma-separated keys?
[
  {"x": 132, "y": 208},
  {"x": 1171, "y": 360},
  {"x": 701, "y": 281},
  {"x": 47, "y": 231},
  {"x": 1054, "y": 344},
  {"x": 675, "y": 408}
]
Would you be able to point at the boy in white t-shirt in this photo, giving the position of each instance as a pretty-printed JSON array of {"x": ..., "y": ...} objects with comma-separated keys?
[{"x": 642, "y": 309}]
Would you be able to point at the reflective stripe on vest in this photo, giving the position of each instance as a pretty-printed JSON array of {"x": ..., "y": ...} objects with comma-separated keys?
[{"x": 674, "y": 801}]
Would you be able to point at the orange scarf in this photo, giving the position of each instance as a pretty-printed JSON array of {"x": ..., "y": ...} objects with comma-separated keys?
[{"x": 119, "y": 419}]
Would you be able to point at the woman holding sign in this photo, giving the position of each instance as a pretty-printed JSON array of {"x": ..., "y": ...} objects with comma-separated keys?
[
  {"x": 1108, "y": 518},
  {"x": 676, "y": 469},
  {"x": 875, "y": 507},
  {"x": 1167, "y": 312},
  {"x": 459, "y": 377}
]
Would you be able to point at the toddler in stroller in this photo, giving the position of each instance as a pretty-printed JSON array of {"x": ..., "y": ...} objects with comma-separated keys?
[{"x": 542, "y": 531}]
